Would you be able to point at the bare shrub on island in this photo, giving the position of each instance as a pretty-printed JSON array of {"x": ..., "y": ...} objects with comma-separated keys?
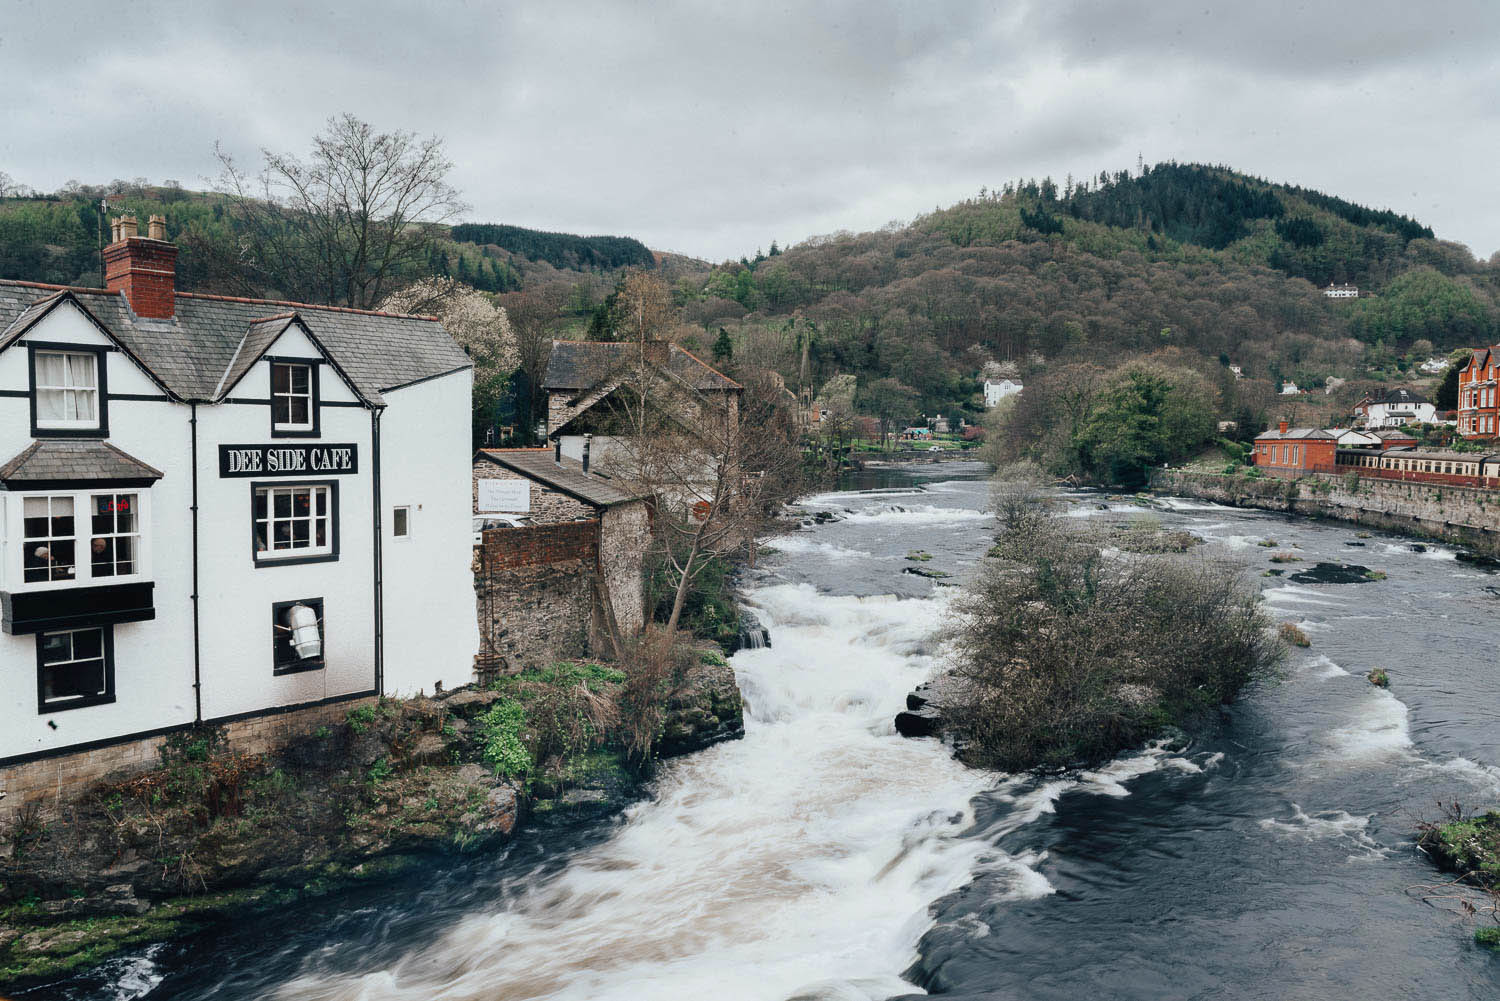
[{"x": 1067, "y": 655}]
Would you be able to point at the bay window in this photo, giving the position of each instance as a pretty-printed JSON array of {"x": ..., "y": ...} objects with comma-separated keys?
[
  {"x": 73, "y": 537},
  {"x": 75, "y": 668},
  {"x": 295, "y": 522}
]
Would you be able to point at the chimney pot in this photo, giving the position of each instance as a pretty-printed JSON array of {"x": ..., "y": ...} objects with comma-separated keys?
[
  {"x": 1284, "y": 425},
  {"x": 588, "y": 440},
  {"x": 557, "y": 451},
  {"x": 156, "y": 227},
  {"x": 114, "y": 231},
  {"x": 128, "y": 227}
]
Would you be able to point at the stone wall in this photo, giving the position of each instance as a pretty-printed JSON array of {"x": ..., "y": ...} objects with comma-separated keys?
[
  {"x": 1465, "y": 516},
  {"x": 534, "y": 589},
  {"x": 625, "y": 537},
  {"x": 62, "y": 778}
]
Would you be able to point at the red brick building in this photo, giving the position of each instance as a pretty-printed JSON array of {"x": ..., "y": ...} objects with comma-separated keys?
[
  {"x": 1478, "y": 408},
  {"x": 1292, "y": 452}
]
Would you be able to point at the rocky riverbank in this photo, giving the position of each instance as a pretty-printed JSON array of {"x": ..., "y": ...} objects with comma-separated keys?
[{"x": 211, "y": 833}]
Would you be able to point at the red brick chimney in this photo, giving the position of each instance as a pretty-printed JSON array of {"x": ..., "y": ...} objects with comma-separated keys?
[
  {"x": 1283, "y": 426},
  {"x": 144, "y": 269}
]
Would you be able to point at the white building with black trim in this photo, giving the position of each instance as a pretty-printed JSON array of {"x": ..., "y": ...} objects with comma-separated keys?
[{"x": 211, "y": 508}]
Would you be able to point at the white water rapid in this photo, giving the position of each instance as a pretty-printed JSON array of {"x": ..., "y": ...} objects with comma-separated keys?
[{"x": 798, "y": 862}]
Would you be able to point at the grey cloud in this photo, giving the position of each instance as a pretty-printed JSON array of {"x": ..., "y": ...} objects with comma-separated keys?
[{"x": 714, "y": 128}]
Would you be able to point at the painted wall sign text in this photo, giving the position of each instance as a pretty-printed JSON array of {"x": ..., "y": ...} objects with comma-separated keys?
[{"x": 288, "y": 460}]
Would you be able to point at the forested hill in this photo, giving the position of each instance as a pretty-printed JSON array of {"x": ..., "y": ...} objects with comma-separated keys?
[
  {"x": 55, "y": 238},
  {"x": 1212, "y": 267},
  {"x": 1304, "y": 233},
  {"x": 561, "y": 250}
]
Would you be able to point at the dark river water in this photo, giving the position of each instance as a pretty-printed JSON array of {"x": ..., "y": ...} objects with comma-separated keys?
[{"x": 823, "y": 857}]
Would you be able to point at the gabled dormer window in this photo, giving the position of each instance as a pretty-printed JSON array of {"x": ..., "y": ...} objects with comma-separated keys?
[
  {"x": 294, "y": 399},
  {"x": 67, "y": 390}
]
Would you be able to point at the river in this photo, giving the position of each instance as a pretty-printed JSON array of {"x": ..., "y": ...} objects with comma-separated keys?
[{"x": 824, "y": 858}]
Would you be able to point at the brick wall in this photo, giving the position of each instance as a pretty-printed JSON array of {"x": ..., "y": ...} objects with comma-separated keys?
[
  {"x": 510, "y": 548},
  {"x": 66, "y": 777}
]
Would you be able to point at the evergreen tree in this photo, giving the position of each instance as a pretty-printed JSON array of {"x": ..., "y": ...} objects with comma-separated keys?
[{"x": 723, "y": 348}]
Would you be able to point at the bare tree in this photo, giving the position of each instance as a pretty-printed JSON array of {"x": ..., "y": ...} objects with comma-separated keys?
[{"x": 346, "y": 225}]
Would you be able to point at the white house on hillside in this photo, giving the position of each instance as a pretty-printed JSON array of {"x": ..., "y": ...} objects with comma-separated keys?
[
  {"x": 1395, "y": 408},
  {"x": 213, "y": 508},
  {"x": 997, "y": 390}
]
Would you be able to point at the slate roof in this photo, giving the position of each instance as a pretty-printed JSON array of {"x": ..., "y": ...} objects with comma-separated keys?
[
  {"x": 538, "y": 464},
  {"x": 1388, "y": 433},
  {"x": 192, "y": 353},
  {"x": 1398, "y": 396},
  {"x": 83, "y": 459},
  {"x": 585, "y": 364},
  {"x": 1312, "y": 434}
]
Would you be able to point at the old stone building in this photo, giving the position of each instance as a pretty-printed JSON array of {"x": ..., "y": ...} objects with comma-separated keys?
[
  {"x": 594, "y": 386},
  {"x": 551, "y": 588}
]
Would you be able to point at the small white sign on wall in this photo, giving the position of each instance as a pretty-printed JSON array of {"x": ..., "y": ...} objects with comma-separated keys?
[{"x": 504, "y": 496}]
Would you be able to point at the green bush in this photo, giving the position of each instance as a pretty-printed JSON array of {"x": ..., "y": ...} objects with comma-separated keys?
[
  {"x": 501, "y": 730},
  {"x": 1068, "y": 655}
]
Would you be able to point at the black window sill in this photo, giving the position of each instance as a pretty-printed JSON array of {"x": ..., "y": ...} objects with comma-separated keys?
[
  {"x": 293, "y": 561},
  {"x": 63, "y": 705},
  {"x": 299, "y": 667}
]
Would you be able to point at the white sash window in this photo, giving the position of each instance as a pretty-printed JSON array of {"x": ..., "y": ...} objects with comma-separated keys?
[{"x": 67, "y": 389}]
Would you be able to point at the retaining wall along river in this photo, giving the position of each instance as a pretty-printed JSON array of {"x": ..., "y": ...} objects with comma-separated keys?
[{"x": 1466, "y": 516}]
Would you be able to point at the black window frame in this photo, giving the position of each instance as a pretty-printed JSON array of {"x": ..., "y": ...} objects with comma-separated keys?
[
  {"x": 333, "y": 524},
  {"x": 101, "y": 369},
  {"x": 314, "y": 385},
  {"x": 107, "y": 647},
  {"x": 296, "y": 665}
]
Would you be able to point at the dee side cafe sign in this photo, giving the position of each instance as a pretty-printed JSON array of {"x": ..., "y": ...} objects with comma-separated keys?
[{"x": 288, "y": 460}]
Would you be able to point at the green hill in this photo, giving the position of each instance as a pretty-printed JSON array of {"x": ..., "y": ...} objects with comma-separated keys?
[
  {"x": 561, "y": 250},
  {"x": 1212, "y": 266}
]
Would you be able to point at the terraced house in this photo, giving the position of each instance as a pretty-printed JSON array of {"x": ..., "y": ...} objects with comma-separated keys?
[
  {"x": 1478, "y": 408},
  {"x": 214, "y": 509}
]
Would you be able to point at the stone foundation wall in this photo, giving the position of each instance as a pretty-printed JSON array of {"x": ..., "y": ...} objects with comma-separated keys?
[
  {"x": 1465, "y": 516},
  {"x": 62, "y": 778}
]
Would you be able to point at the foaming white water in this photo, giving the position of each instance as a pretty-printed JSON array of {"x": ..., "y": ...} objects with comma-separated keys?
[
  {"x": 799, "y": 861},
  {"x": 1323, "y": 668},
  {"x": 1380, "y": 728},
  {"x": 1291, "y": 594},
  {"x": 798, "y": 544},
  {"x": 854, "y": 496},
  {"x": 1486, "y": 777},
  {"x": 135, "y": 976},
  {"x": 916, "y": 514},
  {"x": 1327, "y": 824},
  {"x": 1183, "y": 504}
]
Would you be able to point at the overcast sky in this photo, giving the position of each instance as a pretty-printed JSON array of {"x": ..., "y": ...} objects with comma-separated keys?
[{"x": 712, "y": 129}]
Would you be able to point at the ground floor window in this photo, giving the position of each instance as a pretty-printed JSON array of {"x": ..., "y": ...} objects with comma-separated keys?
[
  {"x": 75, "y": 668},
  {"x": 296, "y": 522},
  {"x": 297, "y": 636},
  {"x": 401, "y": 522}
]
